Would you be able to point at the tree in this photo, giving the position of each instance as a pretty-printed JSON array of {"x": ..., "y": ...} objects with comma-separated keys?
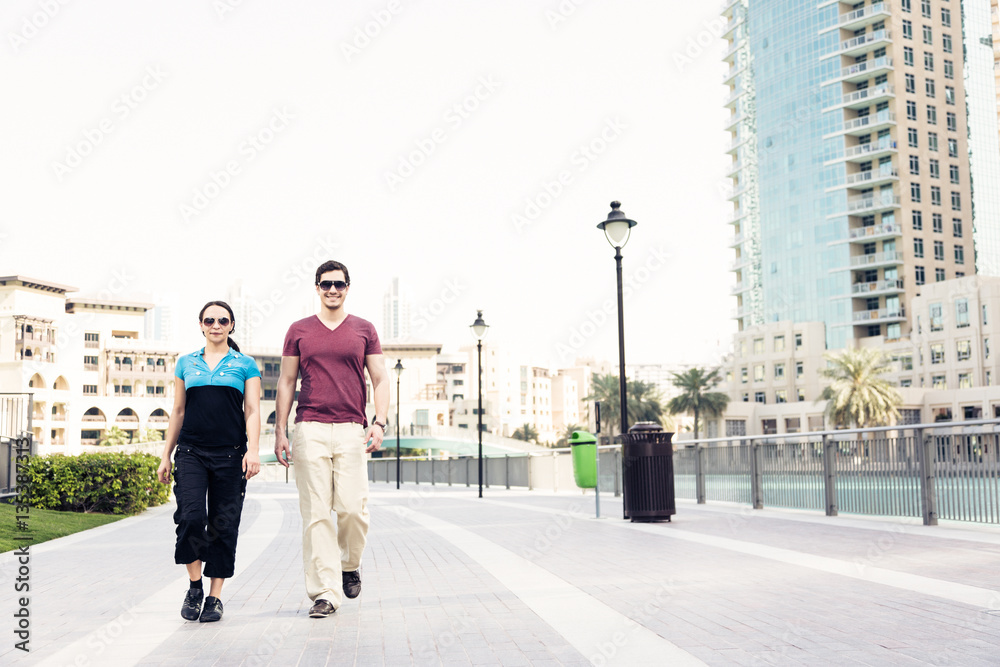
[
  {"x": 859, "y": 395},
  {"x": 696, "y": 395},
  {"x": 644, "y": 402},
  {"x": 528, "y": 433},
  {"x": 115, "y": 436},
  {"x": 151, "y": 435}
]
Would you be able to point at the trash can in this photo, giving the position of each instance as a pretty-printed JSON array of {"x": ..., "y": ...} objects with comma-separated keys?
[
  {"x": 584, "y": 448},
  {"x": 648, "y": 470}
]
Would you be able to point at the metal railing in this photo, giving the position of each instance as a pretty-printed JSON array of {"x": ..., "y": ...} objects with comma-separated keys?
[
  {"x": 942, "y": 470},
  {"x": 15, "y": 437}
]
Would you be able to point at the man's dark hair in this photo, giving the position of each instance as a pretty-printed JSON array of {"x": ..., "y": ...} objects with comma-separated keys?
[{"x": 331, "y": 265}]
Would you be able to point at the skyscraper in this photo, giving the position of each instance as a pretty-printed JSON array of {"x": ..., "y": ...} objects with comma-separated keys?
[
  {"x": 395, "y": 313},
  {"x": 851, "y": 168},
  {"x": 241, "y": 300}
]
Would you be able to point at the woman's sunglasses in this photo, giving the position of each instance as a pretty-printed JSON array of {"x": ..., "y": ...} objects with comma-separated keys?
[
  {"x": 338, "y": 285},
  {"x": 209, "y": 321}
]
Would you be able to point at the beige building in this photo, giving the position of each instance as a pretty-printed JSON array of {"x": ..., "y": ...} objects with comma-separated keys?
[{"x": 776, "y": 363}]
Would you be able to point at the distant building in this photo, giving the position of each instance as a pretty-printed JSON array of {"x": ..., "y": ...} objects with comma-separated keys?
[
  {"x": 241, "y": 300},
  {"x": 396, "y": 313},
  {"x": 159, "y": 323}
]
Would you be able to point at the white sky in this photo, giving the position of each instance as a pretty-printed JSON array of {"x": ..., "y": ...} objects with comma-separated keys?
[{"x": 199, "y": 81}]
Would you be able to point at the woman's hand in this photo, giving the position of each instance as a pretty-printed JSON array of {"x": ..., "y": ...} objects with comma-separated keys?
[
  {"x": 163, "y": 472},
  {"x": 251, "y": 464}
]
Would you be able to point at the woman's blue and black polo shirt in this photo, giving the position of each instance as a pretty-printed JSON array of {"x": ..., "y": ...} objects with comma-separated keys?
[{"x": 213, "y": 412}]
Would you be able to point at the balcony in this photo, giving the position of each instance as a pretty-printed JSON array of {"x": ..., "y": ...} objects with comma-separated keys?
[
  {"x": 889, "y": 258},
  {"x": 93, "y": 418},
  {"x": 739, "y": 263},
  {"x": 735, "y": 194},
  {"x": 733, "y": 120},
  {"x": 127, "y": 419},
  {"x": 737, "y": 141},
  {"x": 864, "y": 98},
  {"x": 732, "y": 73},
  {"x": 741, "y": 286},
  {"x": 731, "y": 27},
  {"x": 734, "y": 167},
  {"x": 868, "y": 204},
  {"x": 740, "y": 313},
  {"x": 737, "y": 215},
  {"x": 865, "y": 152},
  {"x": 728, "y": 56},
  {"x": 865, "y": 125},
  {"x": 727, "y": 8},
  {"x": 90, "y": 367},
  {"x": 874, "y": 232},
  {"x": 733, "y": 96},
  {"x": 861, "y": 44},
  {"x": 871, "y": 177},
  {"x": 878, "y": 315},
  {"x": 877, "y": 287},
  {"x": 159, "y": 419},
  {"x": 92, "y": 344},
  {"x": 861, "y": 71},
  {"x": 737, "y": 240},
  {"x": 865, "y": 16}
]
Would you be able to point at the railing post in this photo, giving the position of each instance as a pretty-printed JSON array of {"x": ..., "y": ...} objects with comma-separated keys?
[
  {"x": 830, "y": 475},
  {"x": 699, "y": 473},
  {"x": 468, "y": 475},
  {"x": 928, "y": 499},
  {"x": 486, "y": 471},
  {"x": 451, "y": 467},
  {"x": 416, "y": 471},
  {"x": 530, "y": 487},
  {"x": 432, "y": 470},
  {"x": 756, "y": 476},
  {"x": 618, "y": 469},
  {"x": 506, "y": 469}
]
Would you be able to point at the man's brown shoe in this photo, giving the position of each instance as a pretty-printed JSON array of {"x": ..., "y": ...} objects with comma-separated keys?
[
  {"x": 352, "y": 584},
  {"x": 321, "y": 609}
]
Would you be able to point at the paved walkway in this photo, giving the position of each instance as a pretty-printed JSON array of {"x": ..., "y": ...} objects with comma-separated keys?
[{"x": 528, "y": 578}]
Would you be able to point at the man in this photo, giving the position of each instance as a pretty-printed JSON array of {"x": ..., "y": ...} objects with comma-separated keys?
[{"x": 331, "y": 350}]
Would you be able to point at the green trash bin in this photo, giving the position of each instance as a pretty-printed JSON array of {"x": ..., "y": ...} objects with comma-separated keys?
[{"x": 584, "y": 448}]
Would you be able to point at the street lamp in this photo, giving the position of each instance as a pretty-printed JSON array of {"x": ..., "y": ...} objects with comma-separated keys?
[
  {"x": 617, "y": 229},
  {"x": 398, "y": 368},
  {"x": 479, "y": 328}
]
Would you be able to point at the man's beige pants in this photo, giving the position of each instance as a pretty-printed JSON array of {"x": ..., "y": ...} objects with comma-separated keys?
[{"x": 331, "y": 473}]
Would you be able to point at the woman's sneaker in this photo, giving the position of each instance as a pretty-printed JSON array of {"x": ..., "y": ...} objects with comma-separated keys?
[
  {"x": 212, "y": 610},
  {"x": 191, "y": 609}
]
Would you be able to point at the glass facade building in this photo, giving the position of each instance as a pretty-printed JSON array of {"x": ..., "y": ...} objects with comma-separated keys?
[{"x": 851, "y": 181}]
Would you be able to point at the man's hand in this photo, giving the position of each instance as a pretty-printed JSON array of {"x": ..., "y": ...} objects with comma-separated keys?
[
  {"x": 282, "y": 450},
  {"x": 251, "y": 464},
  {"x": 374, "y": 436},
  {"x": 163, "y": 472}
]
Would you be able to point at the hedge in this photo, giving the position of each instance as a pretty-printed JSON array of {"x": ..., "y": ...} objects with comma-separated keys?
[{"x": 103, "y": 482}]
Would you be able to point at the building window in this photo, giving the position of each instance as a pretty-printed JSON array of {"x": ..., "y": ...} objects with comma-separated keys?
[
  {"x": 938, "y": 275},
  {"x": 965, "y": 382},
  {"x": 911, "y": 114},
  {"x": 961, "y": 313},
  {"x": 906, "y": 362},
  {"x": 935, "y": 195},
  {"x": 925, "y": 8},
  {"x": 989, "y": 379},
  {"x": 800, "y": 395},
  {"x": 937, "y": 353},
  {"x": 937, "y": 317},
  {"x": 986, "y": 348},
  {"x": 779, "y": 371},
  {"x": 952, "y": 121},
  {"x": 929, "y": 88},
  {"x": 779, "y": 343},
  {"x": 893, "y": 331},
  {"x": 949, "y": 69},
  {"x": 937, "y": 223},
  {"x": 956, "y": 201},
  {"x": 758, "y": 397},
  {"x": 946, "y": 43},
  {"x": 758, "y": 346},
  {"x": 781, "y": 396},
  {"x": 963, "y": 350},
  {"x": 915, "y": 192},
  {"x": 934, "y": 168},
  {"x": 905, "y": 4},
  {"x": 938, "y": 382},
  {"x": 746, "y": 397},
  {"x": 911, "y": 138},
  {"x": 908, "y": 55},
  {"x": 907, "y": 29},
  {"x": 953, "y": 148},
  {"x": 918, "y": 275},
  {"x": 928, "y": 61},
  {"x": 736, "y": 427},
  {"x": 758, "y": 373},
  {"x": 90, "y": 389},
  {"x": 959, "y": 254},
  {"x": 911, "y": 83},
  {"x": 744, "y": 375},
  {"x": 798, "y": 336},
  {"x": 932, "y": 141},
  {"x": 985, "y": 319},
  {"x": 953, "y": 173},
  {"x": 946, "y": 17},
  {"x": 909, "y": 416},
  {"x": 949, "y": 97},
  {"x": 918, "y": 247},
  {"x": 918, "y": 220},
  {"x": 799, "y": 369}
]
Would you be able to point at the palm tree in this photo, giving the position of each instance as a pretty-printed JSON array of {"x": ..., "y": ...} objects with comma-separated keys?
[
  {"x": 151, "y": 435},
  {"x": 644, "y": 401},
  {"x": 528, "y": 433},
  {"x": 859, "y": 395},
  {"x": 567, "y": 434},
  {"x": 115, "y": 436},
  {"x": 696, "y": 395}
]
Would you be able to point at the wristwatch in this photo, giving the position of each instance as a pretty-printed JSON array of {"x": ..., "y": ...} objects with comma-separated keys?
[{"x": 379, "y": 424}]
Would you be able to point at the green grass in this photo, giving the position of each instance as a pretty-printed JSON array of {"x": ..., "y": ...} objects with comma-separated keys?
[{"x": 45, "y": 525}]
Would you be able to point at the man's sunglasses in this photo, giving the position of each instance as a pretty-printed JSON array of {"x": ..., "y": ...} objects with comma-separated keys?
[
  {"x": 209, "y": 321},
  {"x": 338, "y": 285}
]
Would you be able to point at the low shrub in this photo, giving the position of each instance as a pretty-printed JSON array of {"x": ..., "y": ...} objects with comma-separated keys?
[{"x": 103, "y": 482}]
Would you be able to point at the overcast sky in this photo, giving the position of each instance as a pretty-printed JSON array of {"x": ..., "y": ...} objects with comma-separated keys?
[{"x": 163, "y": 151}]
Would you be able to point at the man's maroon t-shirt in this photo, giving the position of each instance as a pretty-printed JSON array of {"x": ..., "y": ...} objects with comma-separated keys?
[{"x": 332, "y": 366}]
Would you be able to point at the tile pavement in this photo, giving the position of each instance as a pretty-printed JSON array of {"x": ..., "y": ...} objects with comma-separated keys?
[{"x": 429, "y": 598}]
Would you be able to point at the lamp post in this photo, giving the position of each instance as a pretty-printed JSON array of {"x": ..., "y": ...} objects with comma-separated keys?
[
  {"x": 398, "y": 368},
  {"x": 479, "y": 328},
  {"x": 617, "y": 229}
]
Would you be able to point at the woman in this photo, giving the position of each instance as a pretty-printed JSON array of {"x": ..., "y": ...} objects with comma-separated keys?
[{"x": 216, "y": 411}]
